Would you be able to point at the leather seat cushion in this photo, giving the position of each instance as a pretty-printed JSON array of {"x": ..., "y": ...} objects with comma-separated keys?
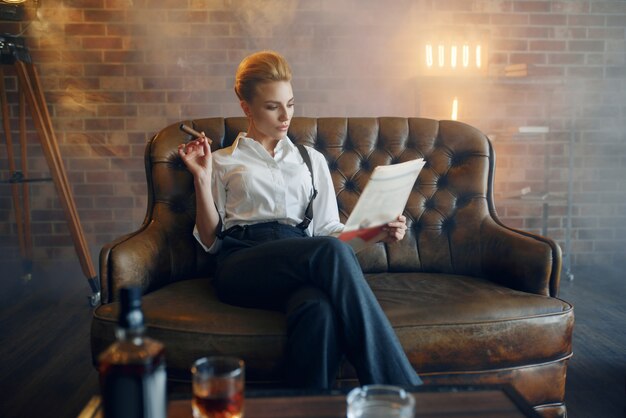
[{"x": 445, "y": 322}]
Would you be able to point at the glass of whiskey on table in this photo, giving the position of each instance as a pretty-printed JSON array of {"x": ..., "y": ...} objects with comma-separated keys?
[{"x": 218, "y": 385}]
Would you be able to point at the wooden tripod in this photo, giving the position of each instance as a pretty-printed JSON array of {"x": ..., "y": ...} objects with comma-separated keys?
[{"x": 30, "y": 91}]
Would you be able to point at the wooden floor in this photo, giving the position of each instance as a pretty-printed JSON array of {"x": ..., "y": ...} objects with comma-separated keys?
[
  {"x": 596, "y": 379},
  {"x": 46, "y": 371}
]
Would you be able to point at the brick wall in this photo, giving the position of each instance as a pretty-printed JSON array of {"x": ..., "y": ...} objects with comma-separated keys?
[{"x": 116, "y": 71}]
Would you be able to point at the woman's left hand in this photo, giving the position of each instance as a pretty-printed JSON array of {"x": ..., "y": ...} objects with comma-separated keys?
[{"x": 395, "y": 231}]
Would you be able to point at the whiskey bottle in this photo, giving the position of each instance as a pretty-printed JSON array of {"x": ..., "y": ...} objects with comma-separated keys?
[{"x": 132, "y": 370}]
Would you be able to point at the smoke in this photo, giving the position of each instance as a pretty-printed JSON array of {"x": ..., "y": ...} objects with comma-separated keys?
[
  {"x": 357, "y": 58},
  {"x": 262, "y": 19}
]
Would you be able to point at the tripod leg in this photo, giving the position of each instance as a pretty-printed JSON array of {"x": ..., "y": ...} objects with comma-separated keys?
[
  {"x": 28, "y": 241},
  {"x": 30, "y": 83},
  {"x": 26, "y": 275}
]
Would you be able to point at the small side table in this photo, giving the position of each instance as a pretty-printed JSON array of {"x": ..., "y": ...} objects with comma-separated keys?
[{"x": 443, "y": 402}]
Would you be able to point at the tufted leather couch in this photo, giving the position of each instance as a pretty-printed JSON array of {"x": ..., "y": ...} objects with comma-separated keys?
[{"x": 472, "y": 301}]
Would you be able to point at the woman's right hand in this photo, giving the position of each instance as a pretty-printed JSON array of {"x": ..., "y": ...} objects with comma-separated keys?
[{"x": 196, "y": 155}]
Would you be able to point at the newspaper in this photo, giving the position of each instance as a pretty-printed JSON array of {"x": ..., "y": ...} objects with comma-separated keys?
[{"x": 382, "y": 201}]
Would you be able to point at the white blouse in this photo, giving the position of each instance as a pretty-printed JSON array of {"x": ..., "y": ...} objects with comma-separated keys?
[{"x": 250, "y": 186}]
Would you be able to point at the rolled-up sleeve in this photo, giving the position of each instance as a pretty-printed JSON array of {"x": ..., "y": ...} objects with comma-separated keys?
[{"x": 219, "y": 197}]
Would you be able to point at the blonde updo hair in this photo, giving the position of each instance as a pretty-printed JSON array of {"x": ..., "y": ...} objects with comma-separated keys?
[{"x": 260, "y": 67}]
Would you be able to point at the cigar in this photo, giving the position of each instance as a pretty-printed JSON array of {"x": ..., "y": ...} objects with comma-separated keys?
[{"x": 192, "y": 132}]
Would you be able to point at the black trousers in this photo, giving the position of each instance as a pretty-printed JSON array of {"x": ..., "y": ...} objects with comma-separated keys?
[{"x": 331, "y": 310}]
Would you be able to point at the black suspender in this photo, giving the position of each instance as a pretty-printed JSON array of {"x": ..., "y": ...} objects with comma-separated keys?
[{"x": 308, "y": 214}]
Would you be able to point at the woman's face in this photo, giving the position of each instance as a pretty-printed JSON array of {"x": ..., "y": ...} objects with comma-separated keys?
[{"x": 270, "y": 110}]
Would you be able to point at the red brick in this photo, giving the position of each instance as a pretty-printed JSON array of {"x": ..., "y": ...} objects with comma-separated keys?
[
  {"x": 137, "y": 178},
  {"x": 113, "y": 202},
  {"x": 528, "y": 58},
  {"x": 84, "y": 4},
  {"x": 509, "y": 45},
  {"x": 63, "y": 240},
  {"x": 605, "y": 33},
  {"x": 157, "y": 57},
  {"x": 566, "y": 59},
  {"x": 38, "y": 215},
  {"x": 570, "y": 6},
  {"x": 103, "y": 213},
  {"x": 75, "y": 108},
  {"x": 162, "y": 83},
  {"x": 94, "y": 190},
  {"x": 616, "y": 72},
  {"x": 97, "y": 124},
  {"x": 105, "y": 110},
  {"x": 69, "y": 124},
  {"x": 126, "y": 29},
  {"x": 202, "y": 110},
  {"x": 586, "y": 20},
  {"x": 173, "y": 44},
  {"x": 165, "y": 4},
  {"x": 104, "y": 15},
  {"x": 140, "y": 69},
  {"x": 119, "y": 83},
  {"x": 531, "y": 6},
  {"x": 587, "y": 72},
  {"x": 531, "y": 32},
  {"x": 471, "y": 18},
  {"x": 565, "y": 32},
  {"x": 123, "y": 56},
  {"x": 70, "y": 151},
  {"x": 548, "y": 20},
  {"x": 42, "y": 228},
  {"x": 227, "y": 43},
  {"x": 89, "y": 164},
  {"x": 453, "y": 5},
  {"x": 152, "y": 110},
  {"x": 222, "y": 16},
  {"x": 122, "y": 226},
  {"x": 52, "y": 44},
  {"x": 509, "y": 19},
  {"x": 602, "y": 58},
  {"x": 498, "y": 58},
  {"x": 102, "y": 43},
  {"x": 84, "y": 29},
  {"x": 145, "y": 97},
  {"x": 608, "y": 7},
  {"x": 95, "y": 70},
  {"x": 117, "y": 4},
  {"x": 77, "y": 84},
  {"x": 586, "y": 46},
  {"x": 81, "y": 56},
  {"x": 188, "y": 16},
  {"x": 616, "y": 20},
  {"x": 545, "y": 45}
]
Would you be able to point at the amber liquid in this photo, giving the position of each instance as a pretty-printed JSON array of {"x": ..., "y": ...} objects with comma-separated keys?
[
  {"x": 219, "y": 404},
  {"x": 133, "y": 380}
]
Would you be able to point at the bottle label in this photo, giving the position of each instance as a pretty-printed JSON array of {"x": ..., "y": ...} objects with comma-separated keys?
[
  {"x": 155, "y": 393},
  {"x": 132, "y": 396}
]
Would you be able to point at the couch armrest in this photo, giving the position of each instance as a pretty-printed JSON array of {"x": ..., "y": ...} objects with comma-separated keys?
[
  {"x": 150, "y": 257},
  {"x": 519, "y": 259}
]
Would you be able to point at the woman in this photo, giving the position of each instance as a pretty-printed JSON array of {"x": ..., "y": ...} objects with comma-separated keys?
[{"x": 251, "y": 200}]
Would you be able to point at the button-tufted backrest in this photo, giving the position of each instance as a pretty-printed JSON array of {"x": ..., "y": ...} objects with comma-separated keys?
[{"x": 445, "y": 211}]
